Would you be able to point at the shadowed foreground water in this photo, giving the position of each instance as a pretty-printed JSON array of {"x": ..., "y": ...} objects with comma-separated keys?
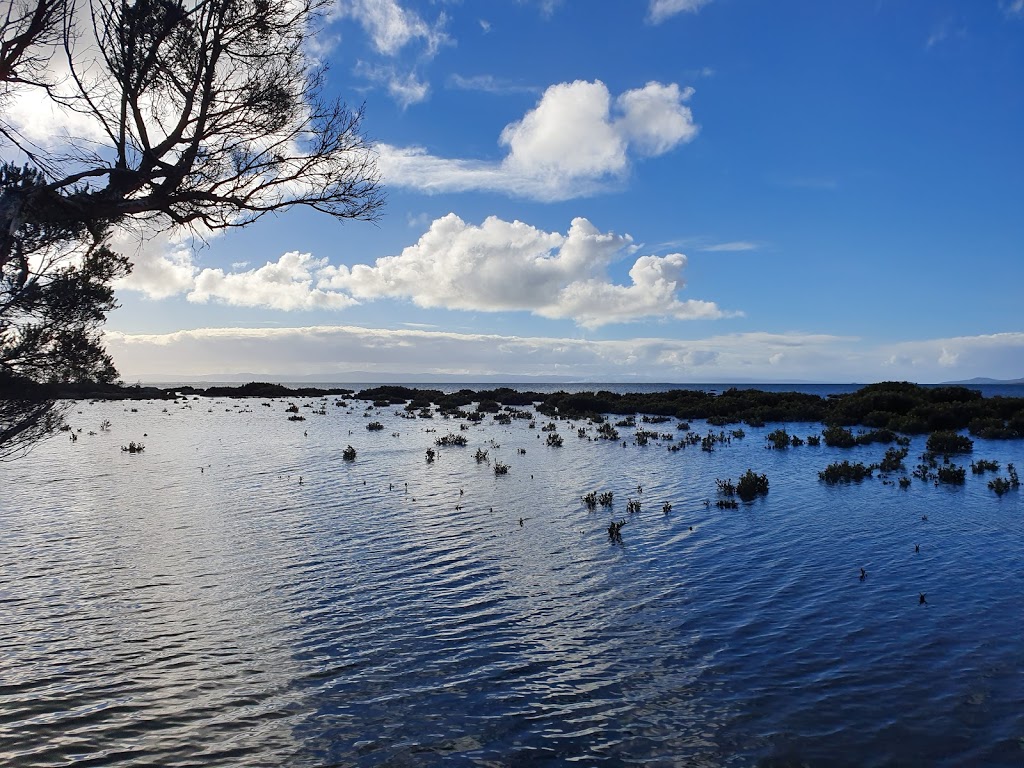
[{"x": 197, "y": 605}]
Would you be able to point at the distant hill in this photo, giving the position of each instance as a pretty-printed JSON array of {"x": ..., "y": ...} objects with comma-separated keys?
[{"x": 983, "y": 380}]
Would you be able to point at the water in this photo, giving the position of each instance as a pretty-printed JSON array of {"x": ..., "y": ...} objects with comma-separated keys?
[{"x": 196, "y": 605}]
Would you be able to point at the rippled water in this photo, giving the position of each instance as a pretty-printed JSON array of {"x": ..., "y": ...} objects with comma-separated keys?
[{"x": 196, "y": 604}]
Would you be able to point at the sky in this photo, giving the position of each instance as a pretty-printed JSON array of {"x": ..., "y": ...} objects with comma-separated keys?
[{"x": 634, "y": 190}]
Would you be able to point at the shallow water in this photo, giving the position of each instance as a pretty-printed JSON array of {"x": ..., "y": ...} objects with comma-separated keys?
[{"x": 197, "y": 605}]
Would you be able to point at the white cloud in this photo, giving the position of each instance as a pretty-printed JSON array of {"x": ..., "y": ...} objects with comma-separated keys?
[
  {"x": 1014, "y": 8},
  {"x": 999, "y": 355},
  {"x": 659, "y": 10},
  {"x": 487, "y": 84},
  {"x": 337, "y": 349},
  {"x": 509, "y": 266},
  {"x": 570, "y": 144},
  {"x": 391, "y": 27},
  {"x": 653, "y": 117},
  {"x": 286, "y": 284},
  {"x": 748, "y": 356},
  {"x": 494, "y": 267},
  {"x": 162, "y": 264},
  {"x": 406, "y": 89},
  {"x": 735, "y": 245}
]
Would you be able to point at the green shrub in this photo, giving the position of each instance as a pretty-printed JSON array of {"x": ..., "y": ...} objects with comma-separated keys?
[
  {"x": 845, "y": 472},
  {"x": 949, "y": 443},
  {"x": 893, "y": 461},
  {"x": 751, "y": 485},
  {"x": 951, "y": 474},
  {"x": 838, "y": 437}
]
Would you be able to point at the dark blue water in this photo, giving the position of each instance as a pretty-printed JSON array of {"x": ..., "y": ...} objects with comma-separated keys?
[{"x": 196, "y": 604}]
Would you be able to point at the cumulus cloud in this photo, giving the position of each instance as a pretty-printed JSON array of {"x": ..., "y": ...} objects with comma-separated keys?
[
  {"x": 496, "y": 266},
  {"x": 285, "y": 284},
  {"x": 659, "y": 10},
  {"x": 574, "y": 142},
  {"x": 162, "y": 264},
  {"x": 502, "y": 266}
]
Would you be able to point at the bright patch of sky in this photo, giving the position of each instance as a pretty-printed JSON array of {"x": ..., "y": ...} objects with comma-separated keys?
[{"x": 672, "y": 190}]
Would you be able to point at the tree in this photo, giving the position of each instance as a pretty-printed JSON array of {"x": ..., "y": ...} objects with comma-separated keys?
[{"x": 210, "y": 115}]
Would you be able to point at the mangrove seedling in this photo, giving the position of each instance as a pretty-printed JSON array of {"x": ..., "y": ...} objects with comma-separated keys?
[{"x": 615, "y": 531}]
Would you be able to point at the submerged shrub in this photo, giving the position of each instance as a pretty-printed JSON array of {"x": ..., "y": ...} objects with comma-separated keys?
[
  {"x": 1000, "y": 485},
  {"x": 951, "y": 474},
  {"x": 893, "y": 461},
  {"x": 779, "y": 439},
  {"x": 845, "y": 472},
  {"x": 984, "y": 465},
  {"x": 949, "y": 443},
  {"x": 500, "y": 469},
  {"x": 751, "y": 485},
  {"x": 374, "y": 426},
  {"x": 838, "y": 437},
  {"x": 554, "y": 440},
  {"x": 349, "y": 454},
  {"x": 451, "y": 439}
]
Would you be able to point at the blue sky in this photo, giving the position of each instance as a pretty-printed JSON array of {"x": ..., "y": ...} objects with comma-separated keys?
[{"x": 674, "y": 190}]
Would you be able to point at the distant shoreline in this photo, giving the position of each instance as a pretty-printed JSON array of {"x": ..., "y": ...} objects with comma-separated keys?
[{"x": 891, "y": 406}]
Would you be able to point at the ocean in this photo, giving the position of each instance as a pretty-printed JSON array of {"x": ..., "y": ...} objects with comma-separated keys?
[{"x": 240, "y": 594}]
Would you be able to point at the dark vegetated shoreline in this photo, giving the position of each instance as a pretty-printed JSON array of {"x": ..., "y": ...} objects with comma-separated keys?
[{"x": 897, "y": 406}]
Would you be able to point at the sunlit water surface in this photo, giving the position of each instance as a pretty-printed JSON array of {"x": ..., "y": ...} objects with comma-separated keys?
[{"x": 238, "y": 594}]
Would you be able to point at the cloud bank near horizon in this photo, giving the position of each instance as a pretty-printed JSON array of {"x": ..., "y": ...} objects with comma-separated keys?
[{"x": 334, "y": 350}]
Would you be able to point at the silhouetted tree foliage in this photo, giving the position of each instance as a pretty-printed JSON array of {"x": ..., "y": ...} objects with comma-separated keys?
[{"x": 210, "y": 116}]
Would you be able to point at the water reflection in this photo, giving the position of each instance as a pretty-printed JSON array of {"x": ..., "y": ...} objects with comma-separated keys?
[{"x": 197, "y": 604}]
